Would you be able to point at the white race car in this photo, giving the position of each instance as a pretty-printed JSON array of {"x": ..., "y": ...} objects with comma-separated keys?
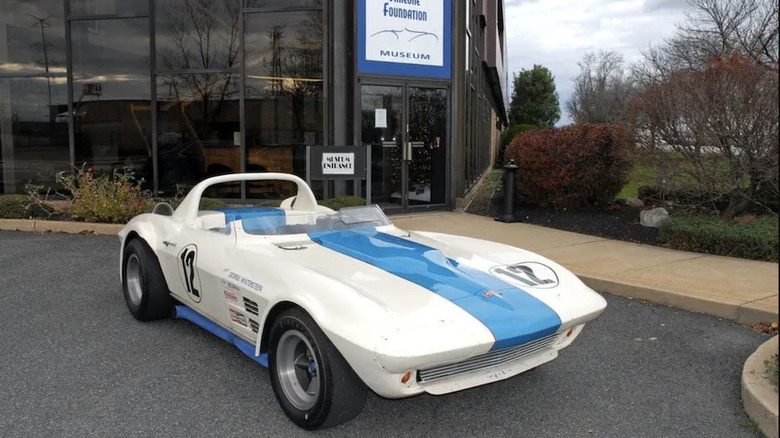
[{"x": 334, "y": 303}]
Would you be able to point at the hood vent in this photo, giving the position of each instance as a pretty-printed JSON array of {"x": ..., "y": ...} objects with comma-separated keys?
[{"x": 294, "y": 245}]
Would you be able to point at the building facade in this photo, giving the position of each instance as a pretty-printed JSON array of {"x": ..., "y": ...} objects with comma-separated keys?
[{"x": 177, "y": 90}]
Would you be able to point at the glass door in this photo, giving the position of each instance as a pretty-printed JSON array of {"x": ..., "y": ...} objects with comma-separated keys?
[
  {"x": 406, "y": 127},
  {"x": 381, "y": 108},
  {"x": 426, "y": 154}
]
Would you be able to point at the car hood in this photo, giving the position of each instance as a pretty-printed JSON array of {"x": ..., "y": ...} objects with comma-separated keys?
[{"x": 432, "y": 285}]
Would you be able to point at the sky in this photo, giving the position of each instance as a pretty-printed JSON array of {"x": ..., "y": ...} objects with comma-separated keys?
[{"x": 558, "y": 33}]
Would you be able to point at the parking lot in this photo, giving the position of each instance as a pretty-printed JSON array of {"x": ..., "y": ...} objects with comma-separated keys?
[{"x": 73, "y": 362}]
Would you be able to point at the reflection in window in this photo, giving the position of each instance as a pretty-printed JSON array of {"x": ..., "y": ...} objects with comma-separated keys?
[
  {"x": 199, "y": 133},
  {"x": 276, "y": 4},
  {"x": 428, "y": 135},
  {"x": 197, "y": 34},
  {"x": 111, "y": 95},
  {"x": 122, "y": 8},
  {"x": 33, "y": 132},
  {"x": 385, "y": 141},
  {"x": 32, "y": 37},
  {"x": 283, "y": 94}
]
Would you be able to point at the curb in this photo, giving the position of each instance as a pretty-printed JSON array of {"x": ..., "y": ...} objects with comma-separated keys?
[
  {"x": 44, "y": 226},
  {"x": 739, "y": 313},
  {"x": 759, "y": 396}
]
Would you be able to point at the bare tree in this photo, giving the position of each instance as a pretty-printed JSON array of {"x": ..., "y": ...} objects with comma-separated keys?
[
  {"x": 602, "y": 90},
  {"x": 713, "y": 131},
  {"x": 715, "y": 29},
  {"x": 204, "y": 34}
]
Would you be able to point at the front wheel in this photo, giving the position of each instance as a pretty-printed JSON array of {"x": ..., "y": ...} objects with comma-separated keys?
[{"x": 315, "y": 386}]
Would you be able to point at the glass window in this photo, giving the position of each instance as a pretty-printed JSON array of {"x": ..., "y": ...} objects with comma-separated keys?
[
  {"x": 276, "y": 4},
  {"x": 283, "y": 46},
  {"x": 121, "y": 8},
  {"x": 33, "y": 132},
  {"x": 112, "y": 95},
  {"x": 197, "y": 34},
  {"x": 199, "y": 133},
  {"x": 283, "y": 95},
  {"x": 32, "y": 37}
]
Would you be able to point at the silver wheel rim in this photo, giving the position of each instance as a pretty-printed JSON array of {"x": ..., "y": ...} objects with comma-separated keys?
[
  {"x": 133, "y": 279},
  {"x": 298, "y": 370}
]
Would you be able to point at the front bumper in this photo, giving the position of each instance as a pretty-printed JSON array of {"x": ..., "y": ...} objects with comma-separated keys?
[{"x": 466, "y": 373}]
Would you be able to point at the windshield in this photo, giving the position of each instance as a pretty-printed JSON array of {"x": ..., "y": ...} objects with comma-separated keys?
[{"x": 264, "y": 221}]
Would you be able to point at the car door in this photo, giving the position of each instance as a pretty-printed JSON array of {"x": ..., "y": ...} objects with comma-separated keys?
[{"x": 194, "y": 261}]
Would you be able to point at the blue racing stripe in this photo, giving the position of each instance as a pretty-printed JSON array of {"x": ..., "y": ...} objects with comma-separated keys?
[{"x": 512, "y": 315}]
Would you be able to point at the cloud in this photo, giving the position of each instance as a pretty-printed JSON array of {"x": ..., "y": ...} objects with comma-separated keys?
[
  {"x": 558, "y": 33},
  {"x": 656, "y": 5}
]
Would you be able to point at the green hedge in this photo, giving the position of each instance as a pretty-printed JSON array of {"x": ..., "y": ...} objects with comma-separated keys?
[
  {"x": 757, "y": 240},
  {"x": 343, "y": 201},
  {"x": 20, "y": 207}
]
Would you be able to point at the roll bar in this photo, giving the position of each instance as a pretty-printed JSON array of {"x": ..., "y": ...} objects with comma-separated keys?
[{"x": 187, "y": 211}]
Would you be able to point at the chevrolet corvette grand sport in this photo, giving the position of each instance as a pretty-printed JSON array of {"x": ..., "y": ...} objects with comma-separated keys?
[{"x": 335, "y": 303}]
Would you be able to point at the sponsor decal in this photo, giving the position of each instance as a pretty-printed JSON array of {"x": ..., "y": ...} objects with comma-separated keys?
[
  {"x": 188, "y": 272},
  {"x": 237, "y": 317},
  {"x": 527, "y": 274},
  {"x": 245, "y": 281},
  {"x": 230, "y": 296}
]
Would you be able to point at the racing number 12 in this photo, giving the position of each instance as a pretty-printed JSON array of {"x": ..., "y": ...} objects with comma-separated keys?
[{"x": 188, "y": 265}]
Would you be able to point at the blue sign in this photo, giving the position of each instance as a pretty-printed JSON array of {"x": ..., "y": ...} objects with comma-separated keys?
[{"x": 405, "y": 37}]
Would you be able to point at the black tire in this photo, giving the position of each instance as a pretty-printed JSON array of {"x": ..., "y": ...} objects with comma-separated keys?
[
  {"x": 340, "y": 395},
  {"x": 146, "y": 292}
]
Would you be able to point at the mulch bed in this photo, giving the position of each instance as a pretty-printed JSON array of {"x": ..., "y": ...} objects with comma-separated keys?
[{"x": 619, "y": 223}]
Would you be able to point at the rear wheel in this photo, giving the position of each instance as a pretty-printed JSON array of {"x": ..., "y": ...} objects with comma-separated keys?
[
  {"x": 146, "y": 292},
  {"x": 315, "y": 386}
]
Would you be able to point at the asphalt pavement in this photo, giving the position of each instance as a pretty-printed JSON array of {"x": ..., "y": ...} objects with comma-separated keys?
[{"x": 73, "y": 362}]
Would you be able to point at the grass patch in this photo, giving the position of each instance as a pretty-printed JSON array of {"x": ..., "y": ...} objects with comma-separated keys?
[
  {"x": 772, "y": 368},
  {"x": 640, "y": 175},
  {"x": 747, "y": 237},
  {"x": 480, "y": 203}
]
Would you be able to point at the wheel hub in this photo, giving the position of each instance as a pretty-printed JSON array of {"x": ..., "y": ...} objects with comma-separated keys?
[
  {"x": 297, "y": 369},
  {"x": 133, "y": 279}
]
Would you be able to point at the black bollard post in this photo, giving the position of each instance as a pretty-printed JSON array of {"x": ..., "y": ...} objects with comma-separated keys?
[{"x": 509, "y": 193}]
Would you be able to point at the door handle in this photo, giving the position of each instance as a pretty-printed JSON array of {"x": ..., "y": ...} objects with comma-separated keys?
[{"x": 408, "y": 151}]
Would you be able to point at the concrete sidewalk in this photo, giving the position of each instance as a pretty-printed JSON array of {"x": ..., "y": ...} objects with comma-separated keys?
[{"x": 745, "y": 291}]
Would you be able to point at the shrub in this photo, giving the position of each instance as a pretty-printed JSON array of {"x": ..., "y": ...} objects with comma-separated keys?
[
  {"x": 21, "y": 207},
  {"x": 343, "y": 201},
  {"x": 211, "y": 204},
  {"x": 714, "y": 128},
  {"x": 689, "y": 198},
  {"x": 507, "y": 137},
  {"x": 573, "y": 167},
  {"x": 751, "y": 239},
  {"x": 274, "y": 203},
  {"x": 763, "y": 202},
  {"x": 106, "y": 198}
]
